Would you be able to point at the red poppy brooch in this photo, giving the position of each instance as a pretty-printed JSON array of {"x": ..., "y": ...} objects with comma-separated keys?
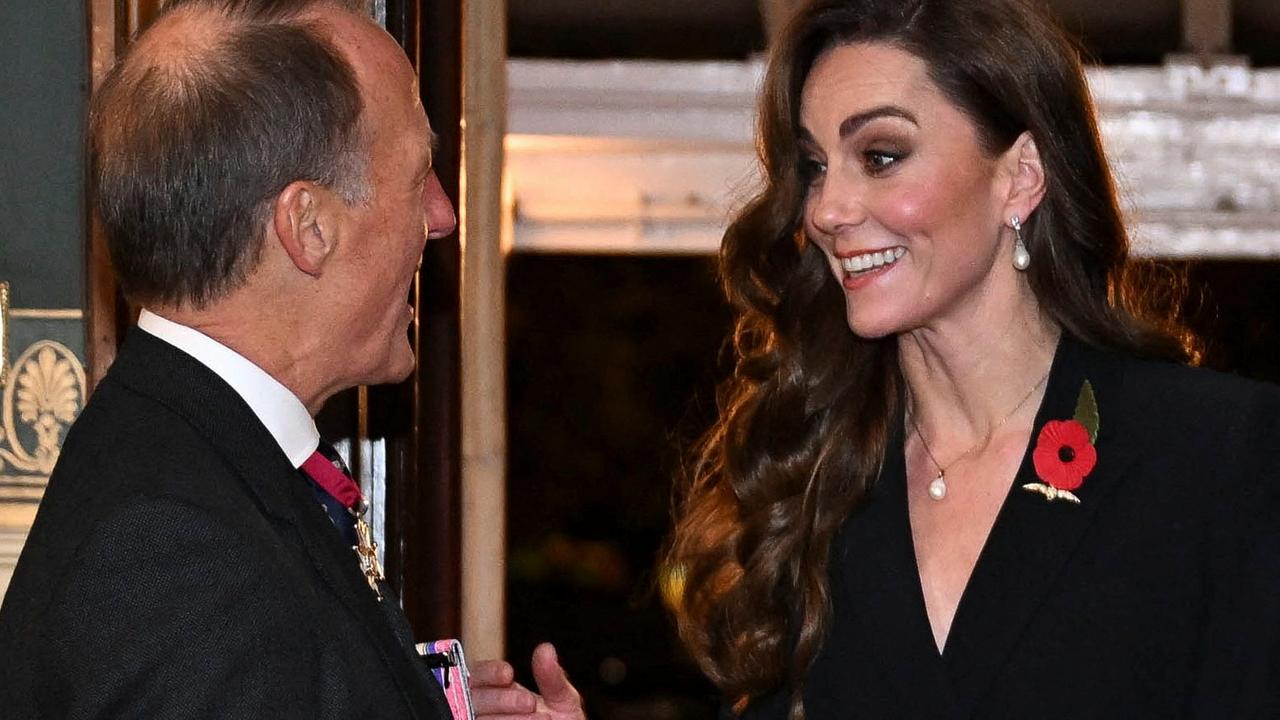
[{"x": 1064, "y": 454}]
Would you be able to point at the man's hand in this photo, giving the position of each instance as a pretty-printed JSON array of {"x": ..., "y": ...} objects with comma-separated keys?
[{"x": 497, "y": 696}]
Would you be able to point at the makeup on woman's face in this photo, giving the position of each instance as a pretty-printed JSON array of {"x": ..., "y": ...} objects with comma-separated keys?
[{"x": 900, "y": 195}]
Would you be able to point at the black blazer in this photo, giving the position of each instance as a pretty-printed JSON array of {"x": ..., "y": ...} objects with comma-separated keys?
[
  {"x": 179, "y": 566},
  {"x": 1158, "y": 596}
]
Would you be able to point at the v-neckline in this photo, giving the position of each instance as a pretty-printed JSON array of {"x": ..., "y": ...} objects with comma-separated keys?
[
  {"x": 1050, "y": 402},
  {"x": 1028, "y": 544},
  {"x": 904, "y": 496}
]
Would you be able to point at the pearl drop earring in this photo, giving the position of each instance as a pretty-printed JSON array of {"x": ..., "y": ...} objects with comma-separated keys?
[{"x": 1021, "y": 258}]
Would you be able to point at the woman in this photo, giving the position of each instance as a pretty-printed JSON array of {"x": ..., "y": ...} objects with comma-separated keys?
[{"x": 958, "y": 472}]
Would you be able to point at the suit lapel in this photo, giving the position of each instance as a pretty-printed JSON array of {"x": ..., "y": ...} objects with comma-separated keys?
[
  {"x": 876, "y": 562},
  {"x": 1032, "y": 537},
  {"x": 156, "y": 369},
  {"x": 336, "y": 563}
]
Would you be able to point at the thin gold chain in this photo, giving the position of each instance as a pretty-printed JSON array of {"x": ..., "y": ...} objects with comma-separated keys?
[{"x": 942, "y": 470}]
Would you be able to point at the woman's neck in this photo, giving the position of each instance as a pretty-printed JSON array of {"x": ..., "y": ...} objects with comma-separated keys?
[{"x": 966, "y": 376}]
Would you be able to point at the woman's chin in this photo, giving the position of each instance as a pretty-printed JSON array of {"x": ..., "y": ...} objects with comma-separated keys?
[{"x": 870, "y": 327}]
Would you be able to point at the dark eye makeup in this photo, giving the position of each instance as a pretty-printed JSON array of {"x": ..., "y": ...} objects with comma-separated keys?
[{"x": 877, "y": 161}]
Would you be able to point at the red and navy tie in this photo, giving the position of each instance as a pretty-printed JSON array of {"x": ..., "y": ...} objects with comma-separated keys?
[{"x": 332, "y": 485}]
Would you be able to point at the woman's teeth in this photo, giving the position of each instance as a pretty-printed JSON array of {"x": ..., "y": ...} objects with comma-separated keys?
[{"x": 871, "y": 261}]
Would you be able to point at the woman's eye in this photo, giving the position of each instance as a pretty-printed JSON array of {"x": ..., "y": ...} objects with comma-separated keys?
[
  {"x": 879, "y": 160},
  {"x": 811, "y": 169}
]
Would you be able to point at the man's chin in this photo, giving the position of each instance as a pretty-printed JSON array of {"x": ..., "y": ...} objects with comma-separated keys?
[
  {"x": 396, "y": 369},
  {"x": 400, "y": 367}
]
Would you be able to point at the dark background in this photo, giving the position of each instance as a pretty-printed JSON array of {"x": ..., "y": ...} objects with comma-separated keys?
[{"x": 611, "y": 370}]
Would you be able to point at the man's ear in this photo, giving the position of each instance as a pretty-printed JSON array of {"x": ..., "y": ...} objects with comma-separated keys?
[
  {"x": 1026, "y": 174},
  {"x": 303, "y": 227}
]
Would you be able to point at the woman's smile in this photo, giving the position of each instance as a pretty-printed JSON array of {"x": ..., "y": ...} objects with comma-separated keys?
[{"x": 868, "y": 261}]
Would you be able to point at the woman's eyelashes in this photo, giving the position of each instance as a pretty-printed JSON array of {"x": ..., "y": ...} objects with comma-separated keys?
[
  {"x": 811, "y": 169},
  {"x": 880, "y": 161},
  {"x": 875, "y": 161}
]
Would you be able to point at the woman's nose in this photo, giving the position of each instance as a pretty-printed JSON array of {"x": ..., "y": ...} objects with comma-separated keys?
[{"x": 836, "y": 205}]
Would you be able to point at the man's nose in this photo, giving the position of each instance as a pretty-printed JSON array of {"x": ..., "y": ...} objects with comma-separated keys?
[{"x": 441, "y": 220}]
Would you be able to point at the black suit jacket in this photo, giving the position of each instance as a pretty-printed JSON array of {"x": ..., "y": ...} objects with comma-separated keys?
[
  {"x": 1158, "y": 596},
  {"x": 179, "y": 566}
]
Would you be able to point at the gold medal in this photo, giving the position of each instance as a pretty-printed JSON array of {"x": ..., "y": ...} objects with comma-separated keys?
[
  {"x": 367, "y": 550},
  {"x": 330, "y": 474}
]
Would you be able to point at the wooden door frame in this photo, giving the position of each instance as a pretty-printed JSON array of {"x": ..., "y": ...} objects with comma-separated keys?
[
  {"x": 421, "y": 418},
  {"x": 110, "y": 24}
]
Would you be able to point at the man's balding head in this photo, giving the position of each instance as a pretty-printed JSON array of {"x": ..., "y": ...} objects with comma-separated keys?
[
  {"x": 209, "y": 116},
  {"x": 266, "y": 10}
]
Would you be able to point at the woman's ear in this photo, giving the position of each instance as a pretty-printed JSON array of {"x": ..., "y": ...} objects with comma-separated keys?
[
  {"x": 301, "y": 226},
  {"x": 1026, "y": 175}
]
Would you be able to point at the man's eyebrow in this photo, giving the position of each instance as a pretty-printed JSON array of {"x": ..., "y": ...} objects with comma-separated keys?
[
  {"x": 428, "y": 160},
  {"x": 854, "y": 123}
]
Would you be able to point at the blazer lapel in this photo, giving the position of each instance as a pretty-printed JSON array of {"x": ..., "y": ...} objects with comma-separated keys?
[
  {"x": 1032, "y": 537},
  {"x": 875, "y": 562},
  {"x": 336, "y": 563},
  {"x": 156, "y": 369}
]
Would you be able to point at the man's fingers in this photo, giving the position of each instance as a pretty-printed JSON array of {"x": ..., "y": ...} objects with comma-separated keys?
[
  {"x": 492, "y": 672},
  {"x": 497, "y": 696},
  {"x": 496, "y": 702},
  {"x": 557, "y": 692}
]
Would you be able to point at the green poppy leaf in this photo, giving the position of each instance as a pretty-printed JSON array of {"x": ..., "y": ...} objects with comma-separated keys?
[{"x": 1087, "y": 411}]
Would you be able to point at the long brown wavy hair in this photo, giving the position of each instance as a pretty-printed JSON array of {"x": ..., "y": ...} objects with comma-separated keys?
[{"x": 806, "y": 415}]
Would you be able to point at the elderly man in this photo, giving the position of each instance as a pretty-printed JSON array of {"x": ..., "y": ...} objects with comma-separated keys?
[{"x": 263, "y": 170}]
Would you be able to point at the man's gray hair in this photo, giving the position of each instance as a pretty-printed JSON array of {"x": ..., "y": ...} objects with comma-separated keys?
[{"x": 191, "y": 142}]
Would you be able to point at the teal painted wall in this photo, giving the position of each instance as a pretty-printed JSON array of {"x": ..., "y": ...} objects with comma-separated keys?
[{"x": 43, "y": 91}]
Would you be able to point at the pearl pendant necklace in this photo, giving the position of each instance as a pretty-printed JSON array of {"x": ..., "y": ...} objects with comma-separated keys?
[{"x": 938, "y": 486}]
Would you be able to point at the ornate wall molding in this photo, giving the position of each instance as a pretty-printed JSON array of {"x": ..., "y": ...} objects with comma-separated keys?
[
  {"x": 44, "y": 397},
  {"x": 44, "y": 394},
  {"x": 46, "y": 314},
  {"x": 652, "y": 157},
  {"x": 4, "y": 333}
]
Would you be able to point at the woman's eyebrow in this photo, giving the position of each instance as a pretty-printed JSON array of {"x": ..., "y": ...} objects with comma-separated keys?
[{"x": 854, "y": 123}]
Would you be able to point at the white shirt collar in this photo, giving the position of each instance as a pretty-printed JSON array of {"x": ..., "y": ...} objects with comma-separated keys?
[{"x": 283, "y": 414}]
